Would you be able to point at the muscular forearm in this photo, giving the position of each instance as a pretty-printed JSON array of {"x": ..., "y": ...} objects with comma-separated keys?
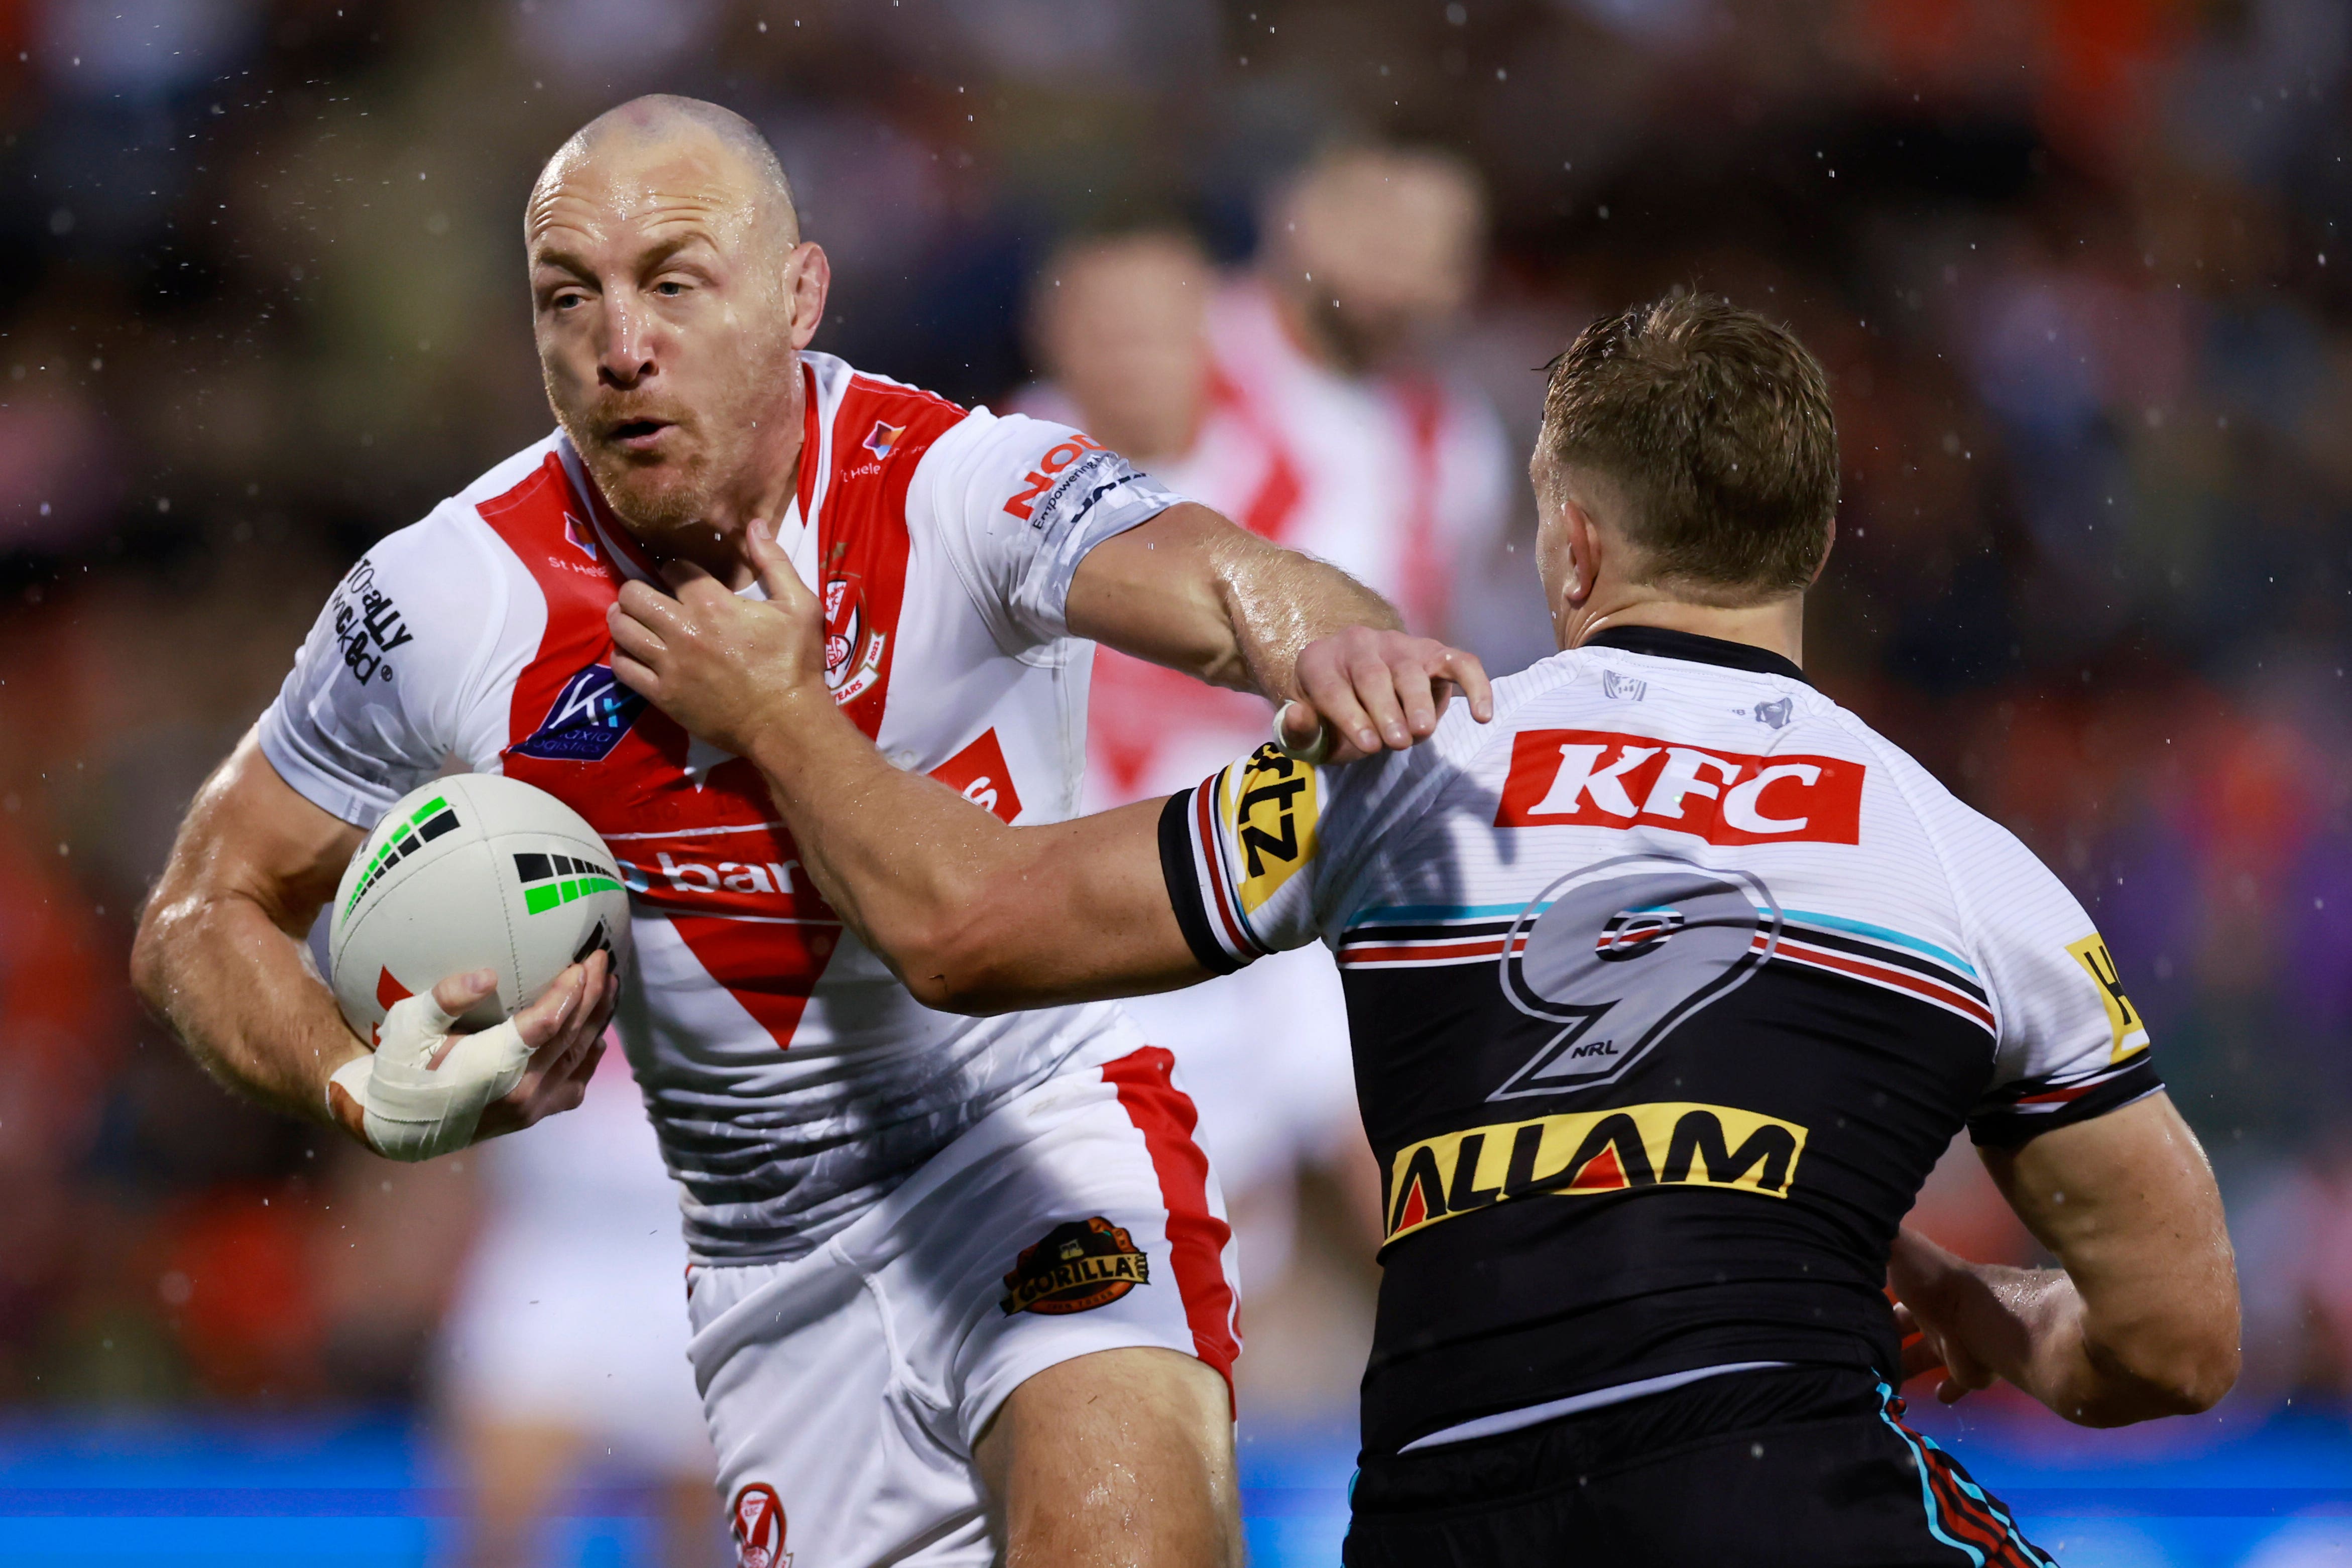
[
  {"x": 220, "y": 954},
  {"x": 1277, "y": 602},
  {"x": 974, "y": 916},
  {"x": 241, "y": 993},
  {"x": 903, "y": 859},
  {"x": 2033, "y": 1328},
  {"x": 1190, "y": 590}
]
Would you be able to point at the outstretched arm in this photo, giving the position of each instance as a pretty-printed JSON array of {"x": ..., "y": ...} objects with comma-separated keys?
[
  {"x": 2139, "y": 1321},
  {"x": 1190, "y": 590},
  {"x": 973, "y": 915}
]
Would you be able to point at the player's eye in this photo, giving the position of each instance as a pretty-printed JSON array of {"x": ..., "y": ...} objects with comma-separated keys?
[
  {"x": 567, "y": 299},
  {"x": 669, "y": 288}
]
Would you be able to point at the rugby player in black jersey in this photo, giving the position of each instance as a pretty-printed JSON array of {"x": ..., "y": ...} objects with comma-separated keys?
[{"x": 1668, "y": 981}]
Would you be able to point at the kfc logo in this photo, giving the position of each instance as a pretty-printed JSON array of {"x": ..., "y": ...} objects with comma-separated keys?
[
  {"x": 1049, "y": 467},
  {"x": 759, "y": 1520},
  {"x": 1592, "y": 779}
]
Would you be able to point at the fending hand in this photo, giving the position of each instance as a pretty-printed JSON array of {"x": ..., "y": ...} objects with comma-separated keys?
[
  {"x": 1927, "y": 1282},
  {"x": 1369, "y": 690},
  {"x": 726, "y": 667}
]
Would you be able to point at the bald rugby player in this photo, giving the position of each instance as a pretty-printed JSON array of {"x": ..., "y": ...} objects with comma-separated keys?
[
  {"x": 1668, "y": 985},
  {"x": 960, "y": 1288}
]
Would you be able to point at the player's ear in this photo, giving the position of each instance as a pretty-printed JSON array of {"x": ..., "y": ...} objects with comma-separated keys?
[
  {"x": 810, "y": 278},
  {"x": 1585, "y": 548}
]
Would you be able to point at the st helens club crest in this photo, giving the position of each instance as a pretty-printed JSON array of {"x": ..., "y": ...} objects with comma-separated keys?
[
  {"x": 852, "y": 651},
  {"x": 759, "y": 1520}
]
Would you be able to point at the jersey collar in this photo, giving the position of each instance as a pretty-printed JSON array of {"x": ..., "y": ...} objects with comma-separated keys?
[{"x": 1661, "y": 643}]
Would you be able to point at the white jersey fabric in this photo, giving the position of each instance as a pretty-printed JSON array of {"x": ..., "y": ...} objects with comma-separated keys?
[
  {"x": 1668, "y": 988},
  {"x": 792, "y": 1080}
]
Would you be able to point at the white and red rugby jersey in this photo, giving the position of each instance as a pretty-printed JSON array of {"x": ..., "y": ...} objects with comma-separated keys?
[{"x": 792, "y": 1079}]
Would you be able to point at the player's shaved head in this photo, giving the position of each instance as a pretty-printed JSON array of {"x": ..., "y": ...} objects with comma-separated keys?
[{"x": 662, "y": 127}]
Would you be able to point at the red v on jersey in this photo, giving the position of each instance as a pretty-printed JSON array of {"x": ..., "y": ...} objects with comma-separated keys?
[{"x": 703, "y": 848}]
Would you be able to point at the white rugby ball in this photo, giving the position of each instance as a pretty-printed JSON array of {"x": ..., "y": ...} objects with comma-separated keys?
[{"x": 473, "y": 870}]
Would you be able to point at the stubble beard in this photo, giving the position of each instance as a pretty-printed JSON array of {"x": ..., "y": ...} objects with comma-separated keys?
[{"x": 655, "y": 502}]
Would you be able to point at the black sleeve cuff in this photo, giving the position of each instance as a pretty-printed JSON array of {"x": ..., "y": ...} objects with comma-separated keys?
[
  {"x": 2026, "y": 1112},
  {"x": 1184, "y": 885}
]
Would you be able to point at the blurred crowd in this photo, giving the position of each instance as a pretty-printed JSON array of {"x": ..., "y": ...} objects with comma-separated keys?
[{"x": 2074, "y": 265}]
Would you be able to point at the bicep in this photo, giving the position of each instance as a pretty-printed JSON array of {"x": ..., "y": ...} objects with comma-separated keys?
[
  {"x": 1085, "y": 914},
  {"x": 1158, "y": 591},
  {"x": 2127, "y": 1202},
  {"x": 249, "y": 834}
]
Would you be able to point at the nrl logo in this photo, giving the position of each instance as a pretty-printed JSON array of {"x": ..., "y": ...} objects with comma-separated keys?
[
  {"x": 852, "y": 651},
  {"x": 1614, "y": 957}
]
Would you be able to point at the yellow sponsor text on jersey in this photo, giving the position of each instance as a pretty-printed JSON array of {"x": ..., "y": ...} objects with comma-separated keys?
[
  {"x": 1270, "y": 806},
  {"x": 2123, "y": 1019},
  {"x": 1587, "y": 1153}
]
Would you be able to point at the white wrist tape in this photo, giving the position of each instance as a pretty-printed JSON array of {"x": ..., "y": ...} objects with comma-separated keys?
[
  {"x": 1314, "y": 752},
  {"x": 416, "y": 1109}
]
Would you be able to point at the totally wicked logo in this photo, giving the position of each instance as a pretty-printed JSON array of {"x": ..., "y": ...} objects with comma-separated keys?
[
  {"x": 587, "y": 718},
  {"x": 368, "y": 624},
  {"x": 1076, "y": 1268}
]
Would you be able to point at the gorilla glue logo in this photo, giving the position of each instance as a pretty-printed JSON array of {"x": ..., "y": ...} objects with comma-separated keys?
[
  {"x": 852, "y": 651},
  {"x": 1079, "y": 1266},
  {"x": 1620, "y": 954},
  {"x": 759, "y": 1520}
]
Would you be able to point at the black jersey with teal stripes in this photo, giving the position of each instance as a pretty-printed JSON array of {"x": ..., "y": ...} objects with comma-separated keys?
[{"x": 1667, "y": 988}]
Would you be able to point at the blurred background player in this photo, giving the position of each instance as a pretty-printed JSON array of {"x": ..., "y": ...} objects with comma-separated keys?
[
  {"x": 1310, "y": 398},
  {"x": 563, "y": 1356}
]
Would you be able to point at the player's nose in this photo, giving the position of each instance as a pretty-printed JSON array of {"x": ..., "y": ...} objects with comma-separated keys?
[{"x": 625, "y": 356}]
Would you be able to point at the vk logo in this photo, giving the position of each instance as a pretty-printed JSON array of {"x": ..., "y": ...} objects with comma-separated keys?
[{"x": 589, "y": 716}]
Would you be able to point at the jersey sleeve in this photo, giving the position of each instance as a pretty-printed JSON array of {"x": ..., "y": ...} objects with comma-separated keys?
[
  {"x": 2071, "y": 1045},
  {"x": 1018, "y": 502},
  {"x": 1262, "y": 855},
  {"x": 1240, "y": 851},
  {"x": 380, "y": 691}
]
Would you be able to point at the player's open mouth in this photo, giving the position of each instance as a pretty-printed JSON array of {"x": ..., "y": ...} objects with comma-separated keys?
[{"x": 637, "y": 434}]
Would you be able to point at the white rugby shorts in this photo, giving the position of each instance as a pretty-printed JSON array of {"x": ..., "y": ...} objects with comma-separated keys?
[{"x": 844, "y": 1390}]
